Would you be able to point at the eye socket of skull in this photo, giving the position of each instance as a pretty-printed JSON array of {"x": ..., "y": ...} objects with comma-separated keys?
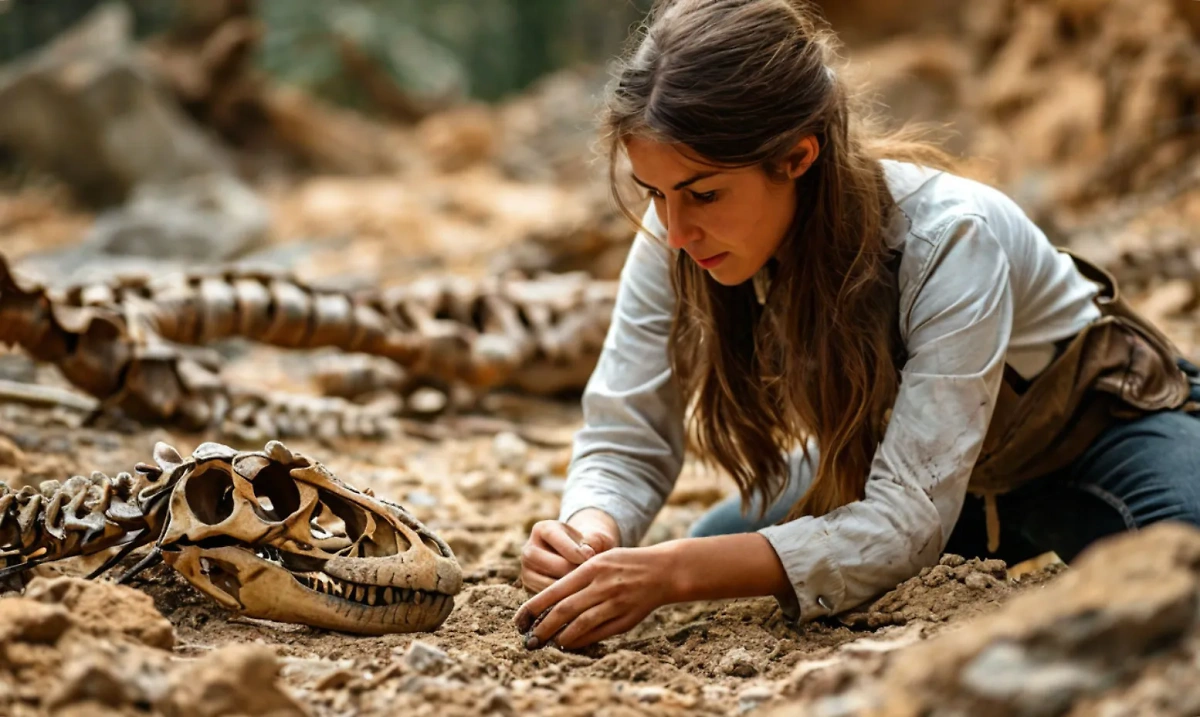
[
  {"x": 209, "y": 494},
  {"x": 340, "y": 516},
  {"x": 276, "y": 491}
]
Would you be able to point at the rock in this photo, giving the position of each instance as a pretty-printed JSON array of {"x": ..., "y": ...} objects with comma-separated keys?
[
  {"x": 10, "y": 455},
  {"x": 511, "y": 450},
  {"x": 210, "y": 217},
  {"x": 1126, "y": 613},
  {"x": 739, "y": 663},
  {"x": 499, "y": 701},
  {"x": 28, "y": 621},
  {"x": 104, "y": 609},
  {"x": 87, "y": 110},
  {"x": 481, "y": 485},
  {"x": 234, "y": 680},
  {"x": 649, "y": 695},
  {"x": 421, "y": 499},
  {"x": 751, "y": 697},
  {"x": 426, "y": 659}
]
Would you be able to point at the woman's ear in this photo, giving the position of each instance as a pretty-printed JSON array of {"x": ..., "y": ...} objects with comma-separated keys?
[{"x": 802, "y": 156}]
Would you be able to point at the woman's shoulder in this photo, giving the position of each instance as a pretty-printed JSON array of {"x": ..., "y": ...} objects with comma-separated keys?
[{"x": 932, "y": 201}]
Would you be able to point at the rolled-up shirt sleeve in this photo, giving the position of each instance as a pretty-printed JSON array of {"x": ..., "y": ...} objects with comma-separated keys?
[
  {"x": 957, "y": 333},
  {"x": 628, "y": 454}
]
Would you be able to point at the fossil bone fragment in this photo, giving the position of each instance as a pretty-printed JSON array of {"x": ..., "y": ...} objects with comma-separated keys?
[{"x": 271, "y": 534}]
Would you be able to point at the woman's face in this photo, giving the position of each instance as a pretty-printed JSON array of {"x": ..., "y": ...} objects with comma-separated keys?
[{"x": 730, "y": 222}]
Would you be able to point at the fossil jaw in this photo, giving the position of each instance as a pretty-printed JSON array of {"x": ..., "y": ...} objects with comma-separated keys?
[{"x": 326, "y": 602}]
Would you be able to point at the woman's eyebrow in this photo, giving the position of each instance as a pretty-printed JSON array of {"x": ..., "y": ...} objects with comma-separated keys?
[{"x": 681, "y": 185}]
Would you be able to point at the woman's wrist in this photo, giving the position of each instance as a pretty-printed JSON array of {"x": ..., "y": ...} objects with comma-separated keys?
[{"x": 722, "y": 567}]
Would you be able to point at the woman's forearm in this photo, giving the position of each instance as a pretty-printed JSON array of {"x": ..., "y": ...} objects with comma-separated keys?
[{"x": 724, "y": 567}]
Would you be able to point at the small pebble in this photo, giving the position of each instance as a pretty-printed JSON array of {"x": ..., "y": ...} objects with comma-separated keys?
[
  {"x": 738, "y": 662},
  {"x": 752, "y": 697},
  {"x": 424, "y": 658},
  {"x": 649, "y": 695},
  {"x": 510, "y": 450}
]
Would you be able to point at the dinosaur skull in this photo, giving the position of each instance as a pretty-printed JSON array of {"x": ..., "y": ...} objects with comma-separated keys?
[{"x": 277, "y": 536}]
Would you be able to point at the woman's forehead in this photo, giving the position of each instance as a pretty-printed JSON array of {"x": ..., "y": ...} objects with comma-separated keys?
[{"x": 666, "y": 161}]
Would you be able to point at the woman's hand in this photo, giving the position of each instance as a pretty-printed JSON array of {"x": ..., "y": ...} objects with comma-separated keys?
[
  {"x": 605, "y": 596},
  {"x": 610, "y": 593},
  {"x": 555, "y": 548}
]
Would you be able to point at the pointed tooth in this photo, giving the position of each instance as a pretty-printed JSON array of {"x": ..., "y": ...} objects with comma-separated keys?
[
  {"x": 372, "y": 595},
  {"x": 387, "y": 595},
  {"x": 420, "y": 597}
]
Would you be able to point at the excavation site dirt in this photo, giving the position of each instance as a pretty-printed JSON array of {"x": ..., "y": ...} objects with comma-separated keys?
[{"x": 233, "y": 302}]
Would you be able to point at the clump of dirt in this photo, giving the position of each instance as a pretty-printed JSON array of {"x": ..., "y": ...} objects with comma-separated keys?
[
  {"x": 953, "y": 589},
  {"x": 1118, "y": 634},
  {"x": 72, "y": 646}
]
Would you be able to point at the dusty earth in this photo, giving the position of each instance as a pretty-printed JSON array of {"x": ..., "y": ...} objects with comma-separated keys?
[{"x": 1084, "y": 109}]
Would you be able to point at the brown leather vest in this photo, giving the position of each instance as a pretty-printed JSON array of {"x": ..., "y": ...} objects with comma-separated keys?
[{"x": 1117, "y": 368}]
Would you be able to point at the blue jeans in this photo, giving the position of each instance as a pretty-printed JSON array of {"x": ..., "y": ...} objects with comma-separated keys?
[{"x": 1136, "y": 473}]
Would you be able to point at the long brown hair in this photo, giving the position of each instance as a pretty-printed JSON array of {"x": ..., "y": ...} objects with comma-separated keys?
[{"x": 739, "y": 83}]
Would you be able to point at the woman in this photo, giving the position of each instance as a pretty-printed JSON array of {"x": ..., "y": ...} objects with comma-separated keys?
[{"x": 891, "y": 358}]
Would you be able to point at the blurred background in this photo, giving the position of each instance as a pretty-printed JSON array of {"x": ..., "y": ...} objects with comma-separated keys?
[{"x": 365, "y": 143}]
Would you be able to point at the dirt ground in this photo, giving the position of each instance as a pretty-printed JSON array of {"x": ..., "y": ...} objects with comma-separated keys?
[
  {"x": 706, "y": 658},
  {"x": 1085, "y": 111}
]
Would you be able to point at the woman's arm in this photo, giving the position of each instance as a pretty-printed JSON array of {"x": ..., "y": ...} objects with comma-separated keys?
[
  {"x": 629, "y": 451},
  {"x": 958, "y": 332}
]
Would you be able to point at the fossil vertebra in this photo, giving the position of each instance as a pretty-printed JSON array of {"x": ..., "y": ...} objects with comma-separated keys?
[
  {"x": 136, "y": 343},
  {"x": 271, "y": 534}
]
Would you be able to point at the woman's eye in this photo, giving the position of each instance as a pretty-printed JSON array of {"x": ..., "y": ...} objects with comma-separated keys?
[
  {"x": 705, "y": 197},
  {"x": 654, "y": 193}
]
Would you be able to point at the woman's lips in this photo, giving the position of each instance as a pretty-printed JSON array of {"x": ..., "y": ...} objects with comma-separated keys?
[{"x": 712, "y": 261}]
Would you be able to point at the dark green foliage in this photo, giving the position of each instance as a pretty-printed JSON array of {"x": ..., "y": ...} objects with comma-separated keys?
[{"x": 484, "y": 48}]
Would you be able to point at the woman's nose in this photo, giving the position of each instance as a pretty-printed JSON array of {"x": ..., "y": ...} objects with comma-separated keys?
[{"x": 680, "y": 231}]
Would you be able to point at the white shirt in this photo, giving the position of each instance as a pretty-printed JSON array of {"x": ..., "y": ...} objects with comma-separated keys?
[{"x": 980, "y": 285}]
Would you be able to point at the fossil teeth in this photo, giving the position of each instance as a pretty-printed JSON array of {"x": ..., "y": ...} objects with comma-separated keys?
[
  {"x": 388, "y": 595},
  {"x": 420, "y": 597},
  {"x": 372, "y": 595}
]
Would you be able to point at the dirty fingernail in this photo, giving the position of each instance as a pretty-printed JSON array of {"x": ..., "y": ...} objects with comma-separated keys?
[{"x": 532, "y": 643}]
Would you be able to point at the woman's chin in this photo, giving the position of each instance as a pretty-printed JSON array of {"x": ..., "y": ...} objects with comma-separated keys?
[{"x": 731, "y": 272}]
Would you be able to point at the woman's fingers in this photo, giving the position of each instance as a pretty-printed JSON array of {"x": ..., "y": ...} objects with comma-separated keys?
[
  {"x": 535, "y": 583},
  {"x": 561, "y": 615},
  {"x": 577, "y": 631},
  {"x": 538, "y": 559},
  {"x": 550, "y": 597},
  {"x": 566, "y": 541},
  {"x": 615, "y": 626}
]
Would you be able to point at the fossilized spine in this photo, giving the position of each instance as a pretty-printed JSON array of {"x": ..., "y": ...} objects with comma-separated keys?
[
  {"x": 103, "y": 346},
  {"x": 78, "y": 516},
  {"x": 485, "y": 333}
]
